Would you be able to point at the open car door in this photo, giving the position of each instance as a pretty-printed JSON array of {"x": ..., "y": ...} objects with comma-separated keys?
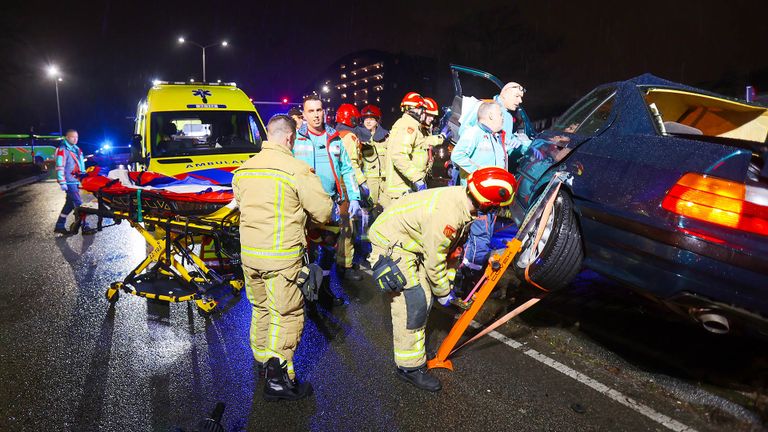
[{"x": 468, "y": 81}]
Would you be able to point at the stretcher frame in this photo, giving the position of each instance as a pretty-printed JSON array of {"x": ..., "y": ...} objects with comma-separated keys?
[{"x": 171, "y": 239}]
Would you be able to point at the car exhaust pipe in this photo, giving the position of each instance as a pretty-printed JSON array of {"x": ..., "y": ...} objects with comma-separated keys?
[{"x": 712, "y": 320}]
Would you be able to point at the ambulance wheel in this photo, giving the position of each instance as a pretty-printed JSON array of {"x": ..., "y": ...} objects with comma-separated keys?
[{"x": 557, "y": 257}]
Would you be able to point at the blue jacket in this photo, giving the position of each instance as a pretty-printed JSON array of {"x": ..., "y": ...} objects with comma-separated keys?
[
  {"x": 315, "y": 150},
  {"x": 69, "y": 163},
  {"x": 511, "y": 139},
  {"x": 478, "y": 147}
]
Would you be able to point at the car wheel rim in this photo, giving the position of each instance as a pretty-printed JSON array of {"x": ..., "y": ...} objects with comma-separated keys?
[{"x": 529, "y": 253}]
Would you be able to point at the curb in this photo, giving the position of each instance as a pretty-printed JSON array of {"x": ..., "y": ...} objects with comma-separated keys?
[{"x": 23, "y": 182}]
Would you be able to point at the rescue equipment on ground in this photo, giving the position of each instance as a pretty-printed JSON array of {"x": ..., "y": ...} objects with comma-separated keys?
[
  {"x": 494, "y": 271},
  {"x": 171, "y": 218}
]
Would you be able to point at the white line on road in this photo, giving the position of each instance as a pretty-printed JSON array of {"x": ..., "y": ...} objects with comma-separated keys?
[{"x": 617, "y": 396}]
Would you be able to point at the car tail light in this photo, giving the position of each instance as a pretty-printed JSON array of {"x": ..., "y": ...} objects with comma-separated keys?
[{"x": 719, "y": 201}]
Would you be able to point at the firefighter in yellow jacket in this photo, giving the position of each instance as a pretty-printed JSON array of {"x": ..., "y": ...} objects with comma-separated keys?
[
  {"x": 411, "y": 241},
  {"x": 374, "y": 151},
  {"x": 406, "y": 160},
  {"x": 278, "y": 195},
  {"x": 346, "y": 120},
  {"x": 407, "y": 151}
]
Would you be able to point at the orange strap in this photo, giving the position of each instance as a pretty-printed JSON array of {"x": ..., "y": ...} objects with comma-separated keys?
[{"x": 540, "y": 231}]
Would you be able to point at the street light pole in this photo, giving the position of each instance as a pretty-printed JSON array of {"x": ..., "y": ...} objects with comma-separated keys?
[
  {"x": 202, "y": 47},
  {"x": 58, "y": 104},
  {"x": 53, "y": 72}
]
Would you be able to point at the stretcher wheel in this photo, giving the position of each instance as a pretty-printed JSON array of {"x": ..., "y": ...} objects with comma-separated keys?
[
  {"x": 113, "y": 292},
  {"x": 205, "y": 307},
  {"x": 237, "y": 286}
]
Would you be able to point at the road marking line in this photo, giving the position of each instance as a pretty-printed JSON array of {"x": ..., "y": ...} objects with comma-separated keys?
[{"x": 617, "y": 396}]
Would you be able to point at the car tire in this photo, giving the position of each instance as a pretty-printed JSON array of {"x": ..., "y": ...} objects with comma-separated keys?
[{"x": 557, "y": 258}]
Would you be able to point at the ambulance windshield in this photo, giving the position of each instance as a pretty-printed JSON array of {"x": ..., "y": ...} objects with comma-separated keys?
[{"x": 189, "y": 133}]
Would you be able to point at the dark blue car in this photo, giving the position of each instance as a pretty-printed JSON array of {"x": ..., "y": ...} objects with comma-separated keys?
[{"x": 667, "y": 194}]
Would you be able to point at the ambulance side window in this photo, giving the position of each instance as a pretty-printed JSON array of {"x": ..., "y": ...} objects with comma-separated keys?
[{"x": 255, "y": 134}]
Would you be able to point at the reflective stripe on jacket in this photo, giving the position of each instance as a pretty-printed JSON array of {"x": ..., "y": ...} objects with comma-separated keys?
[
  {"x": 69, "y": 163},
  {"x": 478, "y": 147},
  {"x": 407, "y": 156},
  {"x": 374, "y": 151},
  {"x": 425, "y": 224},
  {"x": 315, "y": 150},
  {"x": 277, "y": 193},
  {"x": 352, "y": 146}
]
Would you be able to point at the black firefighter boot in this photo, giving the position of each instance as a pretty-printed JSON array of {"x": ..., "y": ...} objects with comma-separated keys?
[
  {"x": 326, "y": 295},
  {"x": 277, "y": 384},
  {"x": 421, "y": 378}
]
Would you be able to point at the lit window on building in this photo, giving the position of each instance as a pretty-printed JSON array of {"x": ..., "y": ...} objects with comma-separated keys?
[
  {"x": 378, "y": 99},
  {"x": 343, "y": 76},
  {"x": 354, "y": 72},
  {"x": 344, "y": 95},
  {"x": 354, "y": 63},
  {"x": 343, "y": 67}
]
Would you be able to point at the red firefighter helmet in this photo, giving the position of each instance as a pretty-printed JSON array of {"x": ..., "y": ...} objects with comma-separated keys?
[
  {"x": 492, "y": 187},
  {"x": 347, "y": 114},
  {"x": 370, "y": 111},
  {"x": 411, "y": 100},
  {"x": 431, "y": 107}
]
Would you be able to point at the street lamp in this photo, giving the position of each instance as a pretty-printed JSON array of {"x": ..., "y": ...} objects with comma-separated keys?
[
  {"x": 183, "y": 40},
  {"x": 53, "y": 72}
]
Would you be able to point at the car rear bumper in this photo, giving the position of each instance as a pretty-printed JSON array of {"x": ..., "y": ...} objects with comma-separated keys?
[{"x": 669, "y": 265}]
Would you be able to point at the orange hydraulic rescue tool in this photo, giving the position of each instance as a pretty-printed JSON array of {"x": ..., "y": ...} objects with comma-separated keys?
[{"x": 494, "y": 272}]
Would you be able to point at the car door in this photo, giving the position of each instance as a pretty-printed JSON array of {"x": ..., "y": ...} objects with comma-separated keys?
[
  {"x": 469, "y": 81},
  {"x": 587, "y": 119}
]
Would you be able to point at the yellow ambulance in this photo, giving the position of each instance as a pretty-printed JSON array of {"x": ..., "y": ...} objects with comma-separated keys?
[{"x": 200, "y": 130}]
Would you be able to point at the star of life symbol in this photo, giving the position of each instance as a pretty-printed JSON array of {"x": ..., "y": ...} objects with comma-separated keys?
[{"x": 202, "y": 93}]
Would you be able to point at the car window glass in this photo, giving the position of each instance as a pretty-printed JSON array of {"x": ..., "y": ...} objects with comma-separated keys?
[
  {"x": 572, "y": 120},
  {"x": 597, "y": 119}
]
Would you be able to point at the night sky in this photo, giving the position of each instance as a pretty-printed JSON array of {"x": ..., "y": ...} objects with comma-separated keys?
[{"x": 109, "y": 51}]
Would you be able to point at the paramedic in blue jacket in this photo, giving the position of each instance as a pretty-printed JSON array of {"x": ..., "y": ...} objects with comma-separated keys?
[
  {"x": 320, "y": 146},
  {"x": 509, "y": 100},
  {"x": 70, "y": 164},
  {"x": 480, "y": 146}
]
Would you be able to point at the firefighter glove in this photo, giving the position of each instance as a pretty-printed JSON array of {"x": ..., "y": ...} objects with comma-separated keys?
[
  {"x": 446, "y": 299},
  {"x": 309, "y": 280},
  {"x": 387, "y": 274}
]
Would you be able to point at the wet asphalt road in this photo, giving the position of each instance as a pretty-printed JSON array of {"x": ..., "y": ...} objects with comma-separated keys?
[{"x": 72, "y": 362}]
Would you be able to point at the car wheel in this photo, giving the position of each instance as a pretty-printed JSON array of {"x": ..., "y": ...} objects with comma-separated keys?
[{"x": 557, "y": 257}]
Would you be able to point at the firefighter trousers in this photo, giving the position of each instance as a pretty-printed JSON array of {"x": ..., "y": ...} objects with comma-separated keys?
[
  {"x": 277, "y": 316},
  {"x": 410, "y": 309}
]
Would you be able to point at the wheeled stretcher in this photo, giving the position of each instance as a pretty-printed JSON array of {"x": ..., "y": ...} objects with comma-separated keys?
[{"x": 173, "y": 225}]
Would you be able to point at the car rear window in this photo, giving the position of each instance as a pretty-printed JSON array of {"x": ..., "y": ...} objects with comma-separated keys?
[{"x": 678, "y": 112}]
